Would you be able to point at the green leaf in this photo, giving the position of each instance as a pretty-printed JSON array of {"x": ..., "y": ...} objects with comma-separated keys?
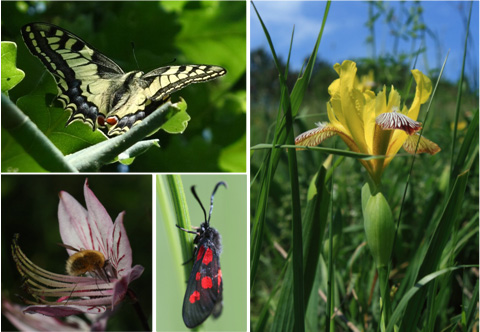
[
  {"x": 232, "y": 158},
  {"x": 11, "y": 75},
  {"x": 215, "y": 32},
  {"x": 25, "y": 137},
  {"x": 40, "y": 106},
  {"x": 177, "y": 122},
  {"x": 128, "y": 156}
]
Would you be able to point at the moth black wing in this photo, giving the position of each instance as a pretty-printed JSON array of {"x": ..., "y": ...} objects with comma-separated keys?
[{"x": 204, "y": 289}]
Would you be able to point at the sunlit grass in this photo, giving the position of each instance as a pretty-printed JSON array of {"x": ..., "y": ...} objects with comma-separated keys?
[{"x": 436, "y": 242}]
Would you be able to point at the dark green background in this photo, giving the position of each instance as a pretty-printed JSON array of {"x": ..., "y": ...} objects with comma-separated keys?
[
  {"x": 164, "y": 33},
  {"x": 29, "y": 207}
]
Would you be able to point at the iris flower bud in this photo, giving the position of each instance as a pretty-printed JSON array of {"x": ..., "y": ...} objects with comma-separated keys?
[{"x": 379, "y": 226}]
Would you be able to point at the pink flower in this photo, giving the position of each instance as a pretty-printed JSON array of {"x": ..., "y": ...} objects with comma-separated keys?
[
  {"x": 99, "y": 249},
  {"x": 15, "y": 314}
]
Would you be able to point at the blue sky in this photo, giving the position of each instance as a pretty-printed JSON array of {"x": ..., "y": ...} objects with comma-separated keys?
[{"x": 345, "y": 32}]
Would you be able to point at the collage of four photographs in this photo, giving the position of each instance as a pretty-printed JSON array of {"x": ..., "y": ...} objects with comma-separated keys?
[{"x": 240, "y": 166}]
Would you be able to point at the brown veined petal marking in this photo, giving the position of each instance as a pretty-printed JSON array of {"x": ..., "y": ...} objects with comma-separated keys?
[
  {"x": 96, "y": 90},
  {"x": 395, "y": 120}
]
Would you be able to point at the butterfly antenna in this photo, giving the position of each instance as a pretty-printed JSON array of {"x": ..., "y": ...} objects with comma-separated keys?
[
  {"x": 211, "y": 198},
  {"x": 134, "y": 56},
  {"x": 172, "y": 62},
  {"x": 199, "y": 201}
]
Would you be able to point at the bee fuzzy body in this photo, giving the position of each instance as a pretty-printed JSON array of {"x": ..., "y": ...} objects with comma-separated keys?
[{"x": 85, "y": 261}]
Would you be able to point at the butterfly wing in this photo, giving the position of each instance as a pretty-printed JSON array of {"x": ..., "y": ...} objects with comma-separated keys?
[
  {"x": 83, "y": 75},
  {"x": 96, "y": 90},
  {"x": 165, "y": 80},
  {"x": 147, "y": 92},
  {"x": 204, "y": 288}
]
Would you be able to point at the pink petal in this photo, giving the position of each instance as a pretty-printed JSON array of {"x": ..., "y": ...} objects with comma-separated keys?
[
  {"x": 23, "y": 322},
  {"x": 98, "y": 219},
  {"x": 119, "y": 249},
  {"x": 121, "y": 286},
  {"x": 72, "y": 219},
  {"x": 99, "y": 322},
  {"x": 63, "y": 310}
]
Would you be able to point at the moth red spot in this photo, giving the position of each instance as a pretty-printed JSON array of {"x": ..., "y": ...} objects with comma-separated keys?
[
  {"x": 200, "y": 252},
  {"x": 219, "y": 279},
  {"x": 112, "y": 121},
  {"x": 208, "y": 257},
  {"x": 197, "y": 276},
  {"x": 207, "y": 282},
  {"x": 194, "y": 297}
]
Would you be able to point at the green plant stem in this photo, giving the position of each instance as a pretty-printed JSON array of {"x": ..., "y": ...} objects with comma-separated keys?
[
  {"x": 165, "y": 208},
  {"x": 179, "y": 201},
  {"x": 384, "y": 293},
  {"x": 93, "y": 157}
]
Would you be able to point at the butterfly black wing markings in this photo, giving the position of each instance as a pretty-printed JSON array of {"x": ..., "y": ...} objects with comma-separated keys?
[{"x": 96, "y": 90}]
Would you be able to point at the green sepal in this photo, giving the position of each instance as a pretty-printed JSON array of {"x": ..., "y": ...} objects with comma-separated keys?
[{"x": 379, "y": 227}]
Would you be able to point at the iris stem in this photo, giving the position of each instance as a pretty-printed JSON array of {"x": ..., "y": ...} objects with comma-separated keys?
[{"x": 386, "y": 305}]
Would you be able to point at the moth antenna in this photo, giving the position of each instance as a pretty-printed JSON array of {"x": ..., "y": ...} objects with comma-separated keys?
[
  {"x": 211, "y": 198},
  {"x": 199, "y": 201}
]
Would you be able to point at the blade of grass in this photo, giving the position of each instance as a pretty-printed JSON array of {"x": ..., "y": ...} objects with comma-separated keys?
[
  {"x": 272, "y": 159},
  {"x": 414, "y": 291},
  {"x": 330, "y": 326},
  {"x": 169, "y": 218},
  {"x": 180, "y": 207},
  {"x": 297, "y": 236},
  {"x": 384, "y": 275},
  {"x": 435, "y": 249},
  {"x": 314, "y": 223},
  {"x": 338, "y": 152},
  {"x": 472, "y": 309},
  {"x": 469, "y": 146},
  {"x": 459, "y": 95}
]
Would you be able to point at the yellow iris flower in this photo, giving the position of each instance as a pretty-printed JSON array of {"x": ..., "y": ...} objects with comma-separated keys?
[{"x": 370, "y": 124}]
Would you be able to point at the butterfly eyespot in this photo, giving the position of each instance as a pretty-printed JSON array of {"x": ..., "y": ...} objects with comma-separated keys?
[
  {"x": 101, "y": 121},
  {"x": 112, "y": 121}
]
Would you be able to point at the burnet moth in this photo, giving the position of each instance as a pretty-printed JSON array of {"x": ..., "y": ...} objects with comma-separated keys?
[{"x": 205, "y": 284}]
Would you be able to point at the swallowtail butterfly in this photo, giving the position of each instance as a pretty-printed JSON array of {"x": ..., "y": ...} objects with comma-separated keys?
[{"x": 96, "y": 90}]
